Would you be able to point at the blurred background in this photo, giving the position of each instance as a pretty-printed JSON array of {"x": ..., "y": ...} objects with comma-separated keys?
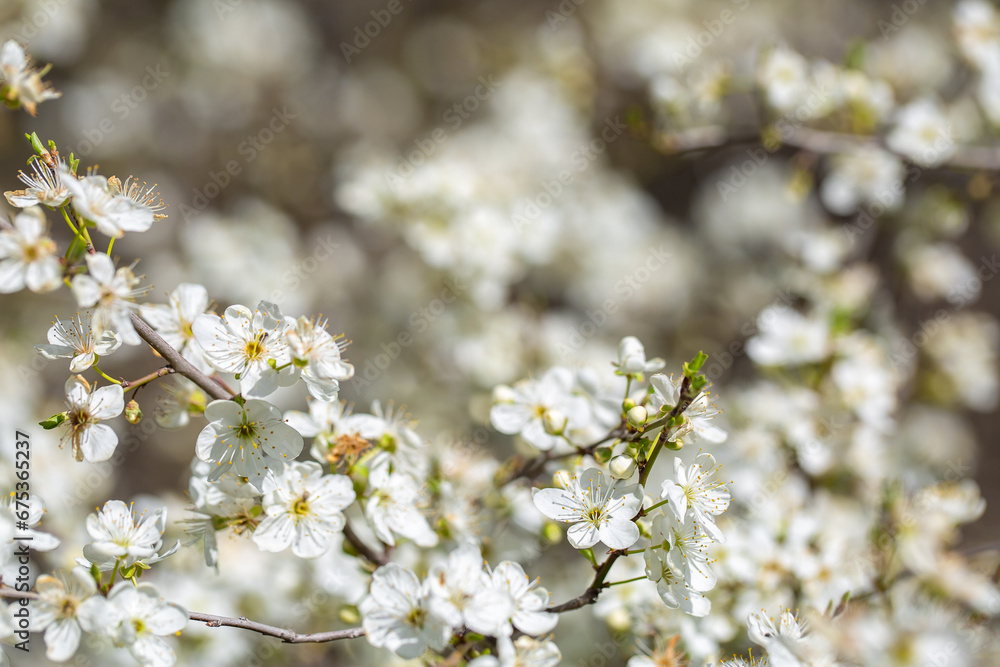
[{"x": 473, "y": 191}]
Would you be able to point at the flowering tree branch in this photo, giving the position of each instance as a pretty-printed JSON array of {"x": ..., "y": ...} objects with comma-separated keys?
[
  {"x": 598, "y": 584},
  {"x": 178, "y": 362},
  {"x": 214, "y": 621}
]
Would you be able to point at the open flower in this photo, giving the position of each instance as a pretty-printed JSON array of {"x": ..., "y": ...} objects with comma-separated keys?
[
  {"x": 20, "y": 82},
  {"x": 45, "y": 187},
  {"x": 28, "y": 256},
  {"x": 510, "y": 600},
  {"x": 318, "y": 355},
  {"x": 688, "y": 546},
  {"x": 523, "y": 652},
  {"x": 540, "y": 410},
  {"x": 695, "y": 489},
  {"x": 671, "y": 584},
  {"x": 91, "y": 441},
  {"x": 56, "y": 611},
  {"x": 135, "y": 616},
  {"x": 251, "y": 439},
  {"x": 398, "y": 616},
  {"x": 246, "y": 343},
  {"x": 598, "y": 510},
  {"x": 174, "y": 321},
  {"x": 304, "y": 510},
  {"x": 393, "y": 508},
  {"x": 11, "y": 524},
  {"x": 454, "y": 581},
  {"x": 119, "y": 539},
  {"x": 112, "y": 292},
  {"x": 94, "y": 200},
  {"x": 75, "y": 340}
]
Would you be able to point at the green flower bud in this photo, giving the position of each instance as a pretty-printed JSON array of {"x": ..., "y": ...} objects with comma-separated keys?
[{"x": 133, "y": 415}]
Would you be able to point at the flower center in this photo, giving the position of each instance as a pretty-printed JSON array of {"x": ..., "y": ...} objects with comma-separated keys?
[
  {"x": 301, "y": 506},
  {"x": 416, "y": 617},
  {"x": 255, "y": 348}
]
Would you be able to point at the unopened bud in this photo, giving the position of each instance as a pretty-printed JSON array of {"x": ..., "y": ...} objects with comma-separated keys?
[
  {"x": 675, "y": 445},
  {"x": 503, "y": 394},
  {"x": 554, "y": 422},
  {"x": 628, "y": 404},
  {"x": 133, "y": 415},
  {"x": 636, "y": 416},
  {"x": 602, "y": 454},
  {"x": 622, "y": 466}
]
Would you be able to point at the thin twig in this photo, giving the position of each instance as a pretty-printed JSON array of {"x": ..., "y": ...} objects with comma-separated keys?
[
  {"x": 179, "y": 363},
  {"x": 287, "y": 636}
]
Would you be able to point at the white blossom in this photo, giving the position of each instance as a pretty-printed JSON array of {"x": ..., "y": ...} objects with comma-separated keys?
[
  {"x": 540, "y": 410},
  {"x": 599, "y": 511},
  {"x": 57, "y": 609},
  {"x": 398, "y": 616},
  {"x": 88, "y": 405},
  {"x": 510, "y": 600},
  {"x": 393, "y": 508},
  {"x": 922, "y": 133},
  {"x": 695, "y": 488},
  {"x": 135, "y": 616},
  {"x": 119, "y": 538},
  {"x": 318, "y": 355},
  {"x": 94, "y": 200},
  {"x": 28, "y": 256},
  {"x": 20, "y": 82},
  {"x": 246, "y": 343},
  {"x": 786, "y": 337},
  {"x": 75, "y": 340},
  {"x": 112, "y": 292},
  {"x": 45, "y": 187},
  {"x": 251, "y": 439},
  {"x": 304, "y": 510},
  {"x": 174, "y": 321},
  {"x": 632, "y": 358}
]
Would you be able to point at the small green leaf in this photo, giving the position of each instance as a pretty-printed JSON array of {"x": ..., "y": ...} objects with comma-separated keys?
[{"x": 54, "y": 421}]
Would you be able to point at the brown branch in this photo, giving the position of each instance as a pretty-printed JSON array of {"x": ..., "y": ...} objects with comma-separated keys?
[
  {"x": 372, "y": 556},
  {"x": 815, "y": 141},
  {"x": 286, "y": 636},
  {"x": 590, "y": 595},
  {"x": 536, "y": 464},
  {"x": 179, "y": 363},
  {"x": 213, "y": 621}
]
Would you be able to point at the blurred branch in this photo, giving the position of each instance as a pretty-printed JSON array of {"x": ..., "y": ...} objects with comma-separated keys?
[
  {"x": 590, "y": 595},
  {"x": 815, "y": 141},
  {"x": 372, "y": 556}
]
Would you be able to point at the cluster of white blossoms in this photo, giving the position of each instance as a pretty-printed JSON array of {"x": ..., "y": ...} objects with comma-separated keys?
[
  {"x": 408, "y": 616},
  {"x": 840, "y": 500}
]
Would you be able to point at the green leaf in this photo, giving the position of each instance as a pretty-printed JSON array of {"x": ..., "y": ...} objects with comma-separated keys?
[
  {"x": 692, "y": 367},
  {"x": 54, "y": 421}
]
